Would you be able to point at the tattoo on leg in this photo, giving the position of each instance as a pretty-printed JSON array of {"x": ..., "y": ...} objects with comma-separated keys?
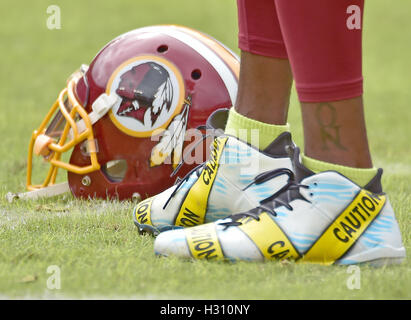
[{"x": 326, "y": 117}]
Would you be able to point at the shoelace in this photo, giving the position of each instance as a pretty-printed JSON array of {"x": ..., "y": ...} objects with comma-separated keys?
[
  {"x": 197, "y": 170},
  {"x": 204, "y": 136},
  {"x": 282, "y": 197}
]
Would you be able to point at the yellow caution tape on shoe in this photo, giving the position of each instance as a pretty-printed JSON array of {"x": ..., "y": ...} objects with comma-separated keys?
[
  {"x": 203, "y": 242},
  {"x": 338, "y": 238},
  {"x": 268, "y": 237},
  {"x": 142, "y": 211},
  {"x": 193, "y": 209}
]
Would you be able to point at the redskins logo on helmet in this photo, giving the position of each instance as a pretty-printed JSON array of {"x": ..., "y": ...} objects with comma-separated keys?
[
  {"x": 124, "y": 116},
  {"x": 151, "y": 91}
]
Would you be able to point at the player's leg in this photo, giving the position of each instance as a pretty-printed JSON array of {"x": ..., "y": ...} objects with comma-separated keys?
[
  {"x": 265, "y": 74},
  {"x": 326, "y": 58},
  {"x": 271, "y": 101}
]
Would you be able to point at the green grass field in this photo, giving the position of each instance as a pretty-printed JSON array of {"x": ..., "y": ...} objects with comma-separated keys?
[{"x": 94, "y": 243}]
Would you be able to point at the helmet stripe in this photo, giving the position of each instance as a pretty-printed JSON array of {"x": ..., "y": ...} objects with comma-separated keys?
[
  {"x": 225, "y": 53},
  {"x": 226, "y": 75}
]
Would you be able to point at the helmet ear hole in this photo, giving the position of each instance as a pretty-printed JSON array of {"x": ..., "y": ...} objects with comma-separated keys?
[
  {"x": 196, "y": 74},
  {"x": 163, "y": 48},
  {"x": 115, "y": 170}
]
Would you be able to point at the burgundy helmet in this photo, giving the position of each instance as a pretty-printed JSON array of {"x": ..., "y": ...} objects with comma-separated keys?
[{"x": 125, "y": 118}]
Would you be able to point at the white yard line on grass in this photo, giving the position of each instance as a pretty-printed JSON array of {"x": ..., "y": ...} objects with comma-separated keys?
[{"x": 10, "y": 218}]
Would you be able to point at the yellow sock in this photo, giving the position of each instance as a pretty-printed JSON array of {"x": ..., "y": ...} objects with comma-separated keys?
[
  {"x": 256, "y": 133},
  {"x": 359, "y": 176}
]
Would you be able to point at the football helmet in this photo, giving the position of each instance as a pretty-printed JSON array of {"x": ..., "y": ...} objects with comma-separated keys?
[{"x": 124, "y": 117}]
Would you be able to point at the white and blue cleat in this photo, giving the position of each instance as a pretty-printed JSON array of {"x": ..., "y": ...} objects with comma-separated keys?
[
  {"x": 236, "y": 177},
  {"x": 323, "y": 218}
]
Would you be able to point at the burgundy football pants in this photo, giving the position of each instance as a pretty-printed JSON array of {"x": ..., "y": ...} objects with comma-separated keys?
[{"x": 319, "y": 37}]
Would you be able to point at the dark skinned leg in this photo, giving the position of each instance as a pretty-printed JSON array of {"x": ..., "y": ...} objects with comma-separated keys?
[
  {"x": 264, "y": 88},
  {"x": 335, "y": 132}
]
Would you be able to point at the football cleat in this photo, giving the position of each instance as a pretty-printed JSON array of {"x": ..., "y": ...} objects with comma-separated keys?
[
  {"x": 236, "y": 177},
  {"x": 324, "y": 218}
]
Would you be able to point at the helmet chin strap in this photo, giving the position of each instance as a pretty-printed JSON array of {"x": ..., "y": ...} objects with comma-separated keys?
[{"x": 49, "y": 191}]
